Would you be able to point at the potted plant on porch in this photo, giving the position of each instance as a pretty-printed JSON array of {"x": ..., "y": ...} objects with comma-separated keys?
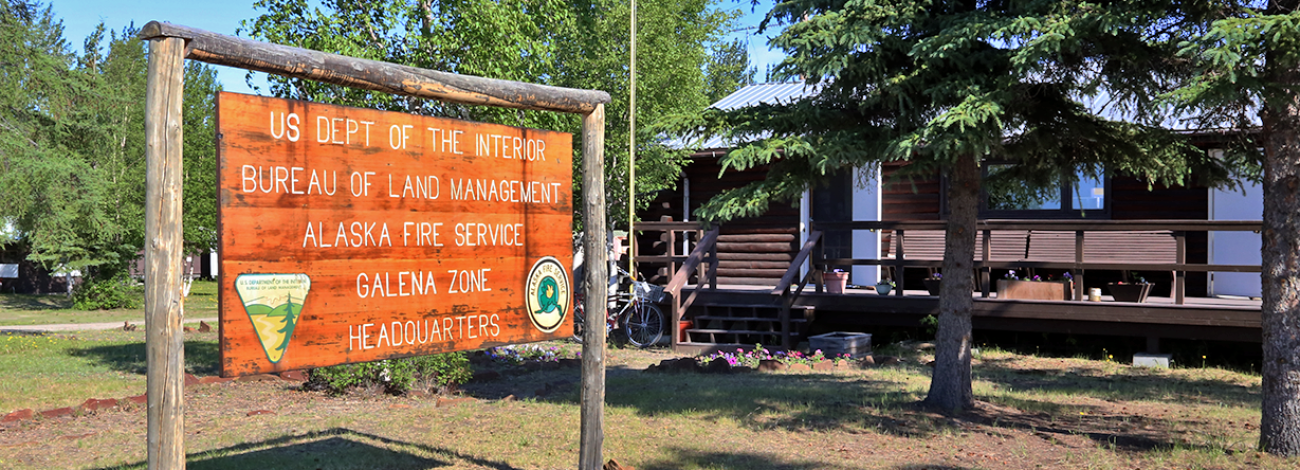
[
  {"x": 1012, "y": 286},
  {"x": 1130, "y": 291},
  {"x": 884, "y": 286},
  {"x": 835, "y": 281},
  {"x": 932, "y": 283}
]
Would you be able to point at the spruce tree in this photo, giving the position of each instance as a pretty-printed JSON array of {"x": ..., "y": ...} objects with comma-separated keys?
[
  {"x": 1248, "y": 77},
  {"x": 943, "y": 86}
]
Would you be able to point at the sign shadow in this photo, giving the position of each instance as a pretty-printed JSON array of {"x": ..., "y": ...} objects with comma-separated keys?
[{"x": 332, "y": 448}]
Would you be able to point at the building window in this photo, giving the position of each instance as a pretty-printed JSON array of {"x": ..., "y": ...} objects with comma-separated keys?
[{"x": 1086, "y": 197}]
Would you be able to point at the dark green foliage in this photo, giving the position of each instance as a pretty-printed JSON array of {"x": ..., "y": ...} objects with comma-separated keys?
[
  {"x": 199, "y": 113},
  {"x": 1053, "y": 88},
  {"x": 446, "y": 370},
  {"x": 119, "y": 291},
  {"x": 727, "y": 70},
  {"x": 1247, "y": 63},
  {"x": 72, "y": 146},
  {"x": 73, "y": 166},
  {"x": 396, "y": 376}
]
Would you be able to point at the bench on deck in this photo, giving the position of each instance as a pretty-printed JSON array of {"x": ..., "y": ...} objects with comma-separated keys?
[
  {"x": 1004, "y": 245},
  {"x": 1030, "y": 249}
]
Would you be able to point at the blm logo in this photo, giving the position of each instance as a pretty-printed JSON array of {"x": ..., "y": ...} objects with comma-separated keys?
[{"x": 273, "y": 303}]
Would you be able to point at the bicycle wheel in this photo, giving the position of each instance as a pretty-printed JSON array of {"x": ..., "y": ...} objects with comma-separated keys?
[
  {"x": 579, "y": 317},
  {"x": 644, "y": 324}
]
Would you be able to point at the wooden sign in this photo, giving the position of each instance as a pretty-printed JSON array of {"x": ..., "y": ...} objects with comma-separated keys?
[{"x": 352, "y": 235}]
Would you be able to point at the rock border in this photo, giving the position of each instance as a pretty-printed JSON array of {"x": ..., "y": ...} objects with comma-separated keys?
[
  {"x": 92, "y": 405},
  {"x": 721, "y": 366}
]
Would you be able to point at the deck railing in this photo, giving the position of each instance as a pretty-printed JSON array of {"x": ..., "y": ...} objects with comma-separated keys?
[
  {"x": 703, "y": 259},
  {"x": 1057, "y": 256}
]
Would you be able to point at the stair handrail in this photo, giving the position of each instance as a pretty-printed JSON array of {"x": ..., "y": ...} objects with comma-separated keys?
[
  {"x": 791, "y": 273},
  {"x": 706, "y": 248},
  {"x": 697, "y": 256},
  {"x": 783, "y": 291}
]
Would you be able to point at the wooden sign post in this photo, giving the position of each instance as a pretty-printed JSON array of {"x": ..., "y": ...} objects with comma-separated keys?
[
  {"x": 164, "y": 339},
  {"x": 279, "y": 286}
]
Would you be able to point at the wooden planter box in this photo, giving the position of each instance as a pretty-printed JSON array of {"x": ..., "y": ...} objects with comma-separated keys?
[
  {"x": 856, "y": 345},
  {"x": 932, "y": 285},
  {"x": 1129, "y": 292},
  {"x": 1034, "y": 290}
]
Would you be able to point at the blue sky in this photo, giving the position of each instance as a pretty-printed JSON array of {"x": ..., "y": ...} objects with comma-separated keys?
[{"x": 81, "y": 16}]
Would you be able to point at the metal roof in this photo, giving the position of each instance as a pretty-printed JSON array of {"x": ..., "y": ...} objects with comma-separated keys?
[
  {"x": 769, "y": 93},
  {"x": 762, "y": 93}
]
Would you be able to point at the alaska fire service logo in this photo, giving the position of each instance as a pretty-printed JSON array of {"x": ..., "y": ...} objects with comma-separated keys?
[
  {"x": 547, "y": 294},
  {"x": 273, "y": 303}
]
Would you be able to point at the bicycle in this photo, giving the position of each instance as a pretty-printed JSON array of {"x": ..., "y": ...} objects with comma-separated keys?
[{"x": 632, "y": 311}]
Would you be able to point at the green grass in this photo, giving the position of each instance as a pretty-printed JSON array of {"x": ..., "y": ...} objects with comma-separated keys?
[
  {"x": 50, "y": 371},
  {"x": 24, "y": 309},
  {"x": 1034, "y": 412}
]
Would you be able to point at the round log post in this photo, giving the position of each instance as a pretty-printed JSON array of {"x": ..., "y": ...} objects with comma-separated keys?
[
  {"x": 163, "y": 308},
  {"x": 593, "y": 341}
]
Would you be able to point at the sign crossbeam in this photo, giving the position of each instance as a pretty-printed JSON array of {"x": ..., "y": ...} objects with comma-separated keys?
[{"x": 220, "y": 49}]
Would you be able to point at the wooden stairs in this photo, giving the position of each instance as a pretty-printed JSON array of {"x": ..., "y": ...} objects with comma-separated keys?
[
  {"x": 723, "y": 324},
  {"x": 717, "y": 319}
]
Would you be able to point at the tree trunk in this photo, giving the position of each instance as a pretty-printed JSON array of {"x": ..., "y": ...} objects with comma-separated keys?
[
  {"x": 1279, "y": 430},
  {"x": 950, "y": 389}
]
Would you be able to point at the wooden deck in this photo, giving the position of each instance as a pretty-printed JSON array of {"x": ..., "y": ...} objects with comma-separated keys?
[
  {"x": 787, "y": 310},
  {"x": 1220, "y": 319}
]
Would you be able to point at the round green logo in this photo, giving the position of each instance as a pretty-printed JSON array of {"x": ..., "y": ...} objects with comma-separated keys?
[{"x": 547, "y": 296}]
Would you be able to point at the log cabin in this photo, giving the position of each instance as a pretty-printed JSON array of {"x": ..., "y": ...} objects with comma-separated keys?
[{"x": 762, "y": 271}]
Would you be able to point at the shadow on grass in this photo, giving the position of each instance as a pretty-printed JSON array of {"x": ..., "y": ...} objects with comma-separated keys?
[
  {"x": 35, "y": 302},
  {"x": 686, "y": 458},
  {"x": 796, "y": 402},
  {"x": 854, "y": 403},
  {"x": 1094, "y": 381},
  {"x": 201, "y": 357},
  {"x": 332, "y": 448},
  {"x": 1068, "y": 423}
]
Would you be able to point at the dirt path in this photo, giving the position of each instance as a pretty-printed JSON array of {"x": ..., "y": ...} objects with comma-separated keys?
[{"x": 83, "y": 326}]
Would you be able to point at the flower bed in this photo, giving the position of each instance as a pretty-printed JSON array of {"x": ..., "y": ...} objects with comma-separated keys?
[
  {"x": 753, "y": 357},
  {"x": 1036, "y": 288},
  {"x": 519, "y": 354}
]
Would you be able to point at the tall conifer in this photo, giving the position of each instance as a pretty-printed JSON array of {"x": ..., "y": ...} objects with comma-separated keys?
[{"x": 1054, "y": 89}]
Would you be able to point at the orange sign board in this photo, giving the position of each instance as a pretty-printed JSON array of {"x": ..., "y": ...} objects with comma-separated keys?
[{"x": 353, "y": 235}]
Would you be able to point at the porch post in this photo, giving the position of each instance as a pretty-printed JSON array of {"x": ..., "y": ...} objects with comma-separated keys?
[
  {"x": 899, "y": 270},
  {"x": 1078, "y": 265},
  {"x": 1180, "y": 276},
  {"x": 985, "y": 271}
]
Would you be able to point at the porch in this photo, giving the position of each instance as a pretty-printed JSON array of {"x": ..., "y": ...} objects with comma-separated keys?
[{"x": 713, "y": 314}]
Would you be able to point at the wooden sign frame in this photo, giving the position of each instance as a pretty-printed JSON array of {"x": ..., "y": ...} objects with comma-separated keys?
[
  {"x": 354, "y": 235},
  {"x": 170, "y": 45}
]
